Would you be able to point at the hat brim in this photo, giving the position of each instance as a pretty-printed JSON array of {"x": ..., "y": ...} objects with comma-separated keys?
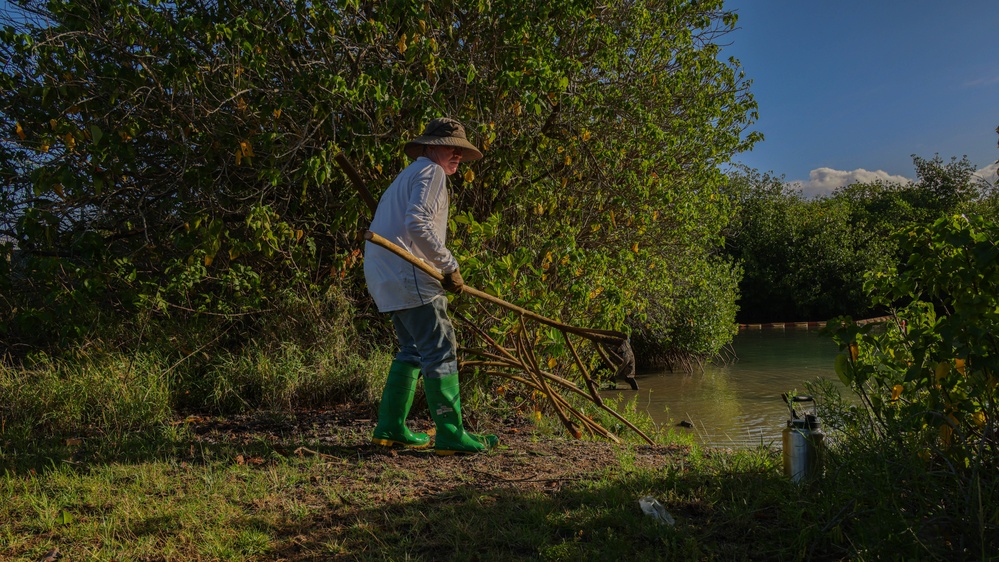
[{"x": 414, "y": 148}]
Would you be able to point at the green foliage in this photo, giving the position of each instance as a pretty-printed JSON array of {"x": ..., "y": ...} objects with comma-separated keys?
[
  {"x": 805, "y": 259},
  {"x": 930, "y": 379},
  {"x": 918, "y": 453},
  {"x": 172, "y": 161},
  {"x": 696, "y": 320},
  {"x": 876, "y": 495}
]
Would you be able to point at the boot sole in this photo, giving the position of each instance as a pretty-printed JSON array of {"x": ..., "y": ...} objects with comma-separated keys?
[
  {"x": 390, "y": 443},
  {"x": 446, "y": 453}
]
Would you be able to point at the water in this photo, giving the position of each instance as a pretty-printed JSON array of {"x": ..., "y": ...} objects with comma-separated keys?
[{"x": 739, "y": 404}]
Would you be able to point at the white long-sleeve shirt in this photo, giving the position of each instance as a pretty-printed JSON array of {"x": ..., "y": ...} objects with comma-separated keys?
[{"x": 413, "y": 214}]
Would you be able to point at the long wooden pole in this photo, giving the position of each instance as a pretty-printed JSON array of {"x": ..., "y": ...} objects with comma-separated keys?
[
  {"x": 527, "y": 362},
  {"x": 604, "y": 336}
]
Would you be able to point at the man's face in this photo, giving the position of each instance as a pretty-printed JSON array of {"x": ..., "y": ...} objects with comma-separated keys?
[{"x": 448, "y": 157}]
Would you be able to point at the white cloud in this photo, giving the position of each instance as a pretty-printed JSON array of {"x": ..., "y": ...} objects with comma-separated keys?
[
  {"x": 982, "y": 82},
  {"x": 989, "y": 173},
  {"x": 823, "y": 181}
]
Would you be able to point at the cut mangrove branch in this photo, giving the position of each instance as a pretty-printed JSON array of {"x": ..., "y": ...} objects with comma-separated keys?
[{"x": 520, "y": 364}]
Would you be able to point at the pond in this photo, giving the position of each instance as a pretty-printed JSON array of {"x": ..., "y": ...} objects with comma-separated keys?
[{"x": 739, "y": 404}]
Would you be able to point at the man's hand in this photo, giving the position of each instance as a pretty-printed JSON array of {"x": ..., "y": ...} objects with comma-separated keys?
[{"x": 453, "y": 282}]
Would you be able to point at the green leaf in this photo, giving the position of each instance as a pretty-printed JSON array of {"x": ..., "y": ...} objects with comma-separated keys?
[{"x": 842, "y": 367}]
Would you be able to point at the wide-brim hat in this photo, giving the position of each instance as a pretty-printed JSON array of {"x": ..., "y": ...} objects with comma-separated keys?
[{"x": 443, "y": 131}]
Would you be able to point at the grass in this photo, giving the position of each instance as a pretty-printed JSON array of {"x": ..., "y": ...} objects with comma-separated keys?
[
  {"x": 96, "y": 462},
  {"x": 294, "y": 507}
]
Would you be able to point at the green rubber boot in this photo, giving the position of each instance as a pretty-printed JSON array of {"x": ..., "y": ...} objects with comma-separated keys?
[
  {"x": 445, "y": 407},
  {"x": 489, "y": 440},
  {"x": 397, "y": 398}
]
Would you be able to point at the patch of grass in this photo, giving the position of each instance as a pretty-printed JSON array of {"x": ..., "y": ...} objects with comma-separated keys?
[
  {"x": 115, "y": 394},
  {"x": 112, "y": 398},
  {"x": 292, "y": 376}
]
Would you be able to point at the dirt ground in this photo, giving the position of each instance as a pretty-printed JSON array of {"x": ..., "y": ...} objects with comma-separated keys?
[{"x": 525, "y": 459}]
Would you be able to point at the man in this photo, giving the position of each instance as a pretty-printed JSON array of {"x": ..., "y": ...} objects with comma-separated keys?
[{"x": 413, "y": 213}]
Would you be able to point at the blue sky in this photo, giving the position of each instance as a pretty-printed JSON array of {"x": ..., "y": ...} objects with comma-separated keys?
[{"x": 849, "y": 90}]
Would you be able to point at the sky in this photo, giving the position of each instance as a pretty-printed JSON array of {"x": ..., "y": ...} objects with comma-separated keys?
[{"x": 850, "y": 90}]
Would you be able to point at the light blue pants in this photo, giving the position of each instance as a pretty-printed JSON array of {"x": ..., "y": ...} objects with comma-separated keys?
[{"x": 426, "y": 338}]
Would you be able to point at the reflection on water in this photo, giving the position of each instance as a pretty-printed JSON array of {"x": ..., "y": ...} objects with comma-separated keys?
[{"x": 739, "y": 404}]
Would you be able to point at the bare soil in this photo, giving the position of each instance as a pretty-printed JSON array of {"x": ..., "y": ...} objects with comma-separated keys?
[{"x": 525, "y": 459}]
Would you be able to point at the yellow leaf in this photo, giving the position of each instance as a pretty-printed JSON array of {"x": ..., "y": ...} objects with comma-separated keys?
[
  {"x": 58, "y": 190},
  {"x": 378, "y": 167},
  {"x": 277, "y": 113},
  {"x": 44, "y": 147},
  {"x": 552, "y": 362},
  {"x": 854, "y": 351},
  {"x": 634, "y": 247},
  {"x": 298, "y": 235},
  {"x": 246, "y": 148},
  {"x": 53, "y": 123},
  {"x": 896, "y": 391},
  {"x": 941, "y": 370},
  {"x": 70, "y": 141},
  {"x": 946, "y": 433},
  {"x": 241, "y": 104},
  {"x": 586, "y": 136},
  {"x": 20, "y": 131},
  {"x": 959, "y": 363},
  {"x": 978, "y": 418},
  {"x": 209, "y": 260},
  {"x": 402, "y": 43},
  {"x": 233, "y": 254},
  {"x": 568, "y": 160},
  {"x": 469, "y": 175},
  {"x": 239, "y": 157},
  {"x": 516, "y": 108}
]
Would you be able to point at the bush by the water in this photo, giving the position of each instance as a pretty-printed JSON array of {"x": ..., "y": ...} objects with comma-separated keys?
[{"x": 924, "y": 444}]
